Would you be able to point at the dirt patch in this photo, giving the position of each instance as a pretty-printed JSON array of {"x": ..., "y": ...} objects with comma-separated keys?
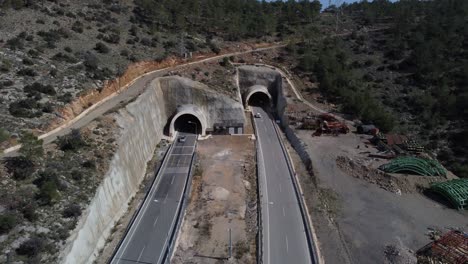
[{"x": 223, "y": 196}]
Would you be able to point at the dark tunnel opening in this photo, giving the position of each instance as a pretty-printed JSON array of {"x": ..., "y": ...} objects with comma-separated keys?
[
  {"x": 188, "y": 123},
  {"x": 259, "y": 99}
]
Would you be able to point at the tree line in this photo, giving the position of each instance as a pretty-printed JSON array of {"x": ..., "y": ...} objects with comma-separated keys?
[
  {"x": 428, "y": 40},
  {"x": 230, "y": 19}
]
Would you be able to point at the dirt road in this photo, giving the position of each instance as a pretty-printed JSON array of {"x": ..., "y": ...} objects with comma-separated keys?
[{"x": 126, "y": 94}]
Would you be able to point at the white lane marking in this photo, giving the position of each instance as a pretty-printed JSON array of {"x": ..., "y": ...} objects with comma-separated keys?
[
  {"x": 155, "y": 221},
  {"x": 284, "y": 214},
  {"x": 280, "y": 187},
  {"x": 135, "y": 225},
  {"x": 266, "y": 192},
  {"x": 287, "y": 244},
  {"x": 165, "y": 197},
  {"x": 141, "y": 253},
  {"x": 172, "y": 181}
]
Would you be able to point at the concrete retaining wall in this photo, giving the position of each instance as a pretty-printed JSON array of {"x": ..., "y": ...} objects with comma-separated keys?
[{"x": 142, "y": 124}]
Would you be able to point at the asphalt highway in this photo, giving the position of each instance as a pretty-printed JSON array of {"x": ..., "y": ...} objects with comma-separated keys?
[
  {"x": 147, "y": 238},
  {"x": 284, "y": 237}
]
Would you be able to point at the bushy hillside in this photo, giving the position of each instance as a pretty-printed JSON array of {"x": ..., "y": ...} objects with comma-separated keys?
[
  {"x": 53, "y": 51},
  {"x": 404, "y": 67}
]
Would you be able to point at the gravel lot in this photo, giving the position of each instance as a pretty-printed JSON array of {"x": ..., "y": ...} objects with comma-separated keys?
[{"x": 356, "y": 221}]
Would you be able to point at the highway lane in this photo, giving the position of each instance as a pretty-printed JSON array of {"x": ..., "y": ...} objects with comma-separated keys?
[
  {"x": 284, "y": 237},
  {"x": 146, "y": 241}
]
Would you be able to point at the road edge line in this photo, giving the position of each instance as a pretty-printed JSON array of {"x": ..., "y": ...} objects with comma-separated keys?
[
  {"x": 154, "y": 185},
  {"x": 311, "y": 237}
]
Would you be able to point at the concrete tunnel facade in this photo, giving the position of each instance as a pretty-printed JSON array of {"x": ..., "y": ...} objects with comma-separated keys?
[
  {"x": 263, "y": 80},
  {"x": 256, "y": 89},
  {"x": 193, "y": 110}
]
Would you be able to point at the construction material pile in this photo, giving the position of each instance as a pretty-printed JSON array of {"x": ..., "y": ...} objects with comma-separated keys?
[
  {"x": 413, "y": 165},
  {"x": 451, "y": 248},
  {"x": 456, "y": 191},
  {"x": 329, "y": 124}
]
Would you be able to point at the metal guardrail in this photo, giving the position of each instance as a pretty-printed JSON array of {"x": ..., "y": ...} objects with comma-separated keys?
[
  {"x": 155, "y": 182},
  {"x": 307, "y": 224},
  {"x": 259, "y": 203},
  {"x": 182, "y": 207}
]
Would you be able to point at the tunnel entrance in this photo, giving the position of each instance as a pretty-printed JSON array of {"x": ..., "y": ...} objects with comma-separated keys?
[
  {"x": 259, "y": 99},
  {"x": 188, "y": 123}
]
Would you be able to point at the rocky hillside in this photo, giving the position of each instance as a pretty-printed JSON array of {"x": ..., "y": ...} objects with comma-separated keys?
[{"x": 53, "y": 51}]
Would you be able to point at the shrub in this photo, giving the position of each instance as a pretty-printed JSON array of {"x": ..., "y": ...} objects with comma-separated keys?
[
  {"x": 48, "y": 108},
  {"x": 5, "y": 66},
  {"x": 31, "y": 247},
  {"x": 7, "y": 223},
  {"x": 67, "y": 49},
  {"x": 101, "y": 48},
  {"x": 71, "y": 142},
  {"x": 66, "y": 97},
  {"x": 7, "y": 83},
  {"x": 91, "y": 61},
  {"x": 37, "y": 87},
  {"x": 53, "y": 36},
  {"x": 224, "y": 62},
  {"x": 33, "y": 53},
  {"x": 25, "y": 108},
  {"x": 29, "y": 211},
  {"x": 48, "y": 193},
  {"x": 53, "y": 72},
  {"x": 133, "y": 31},
  {"x": 27, "y": 61},
  {"x": 4, "y": 135},
  {"x": 77, "y": 27},
  {"x": 169, "y": 44},
  {"x": 15, "y": 43},
  {"x": 124, "y": 53},
  {"x": 64, "y": 58},
  {"x": 113, "y": 38},
  {"x": 77, "y": 175},
  {"x": 72, "y": 210},
  {"x": 31, "y": 146},
  {"x": 145, "y": 42},
  {"x": 214, "y": 47},
  {"x": 27, "y": 72},
  {"x": 90, "y": 164},
  {"x": 20, "y": 167}
]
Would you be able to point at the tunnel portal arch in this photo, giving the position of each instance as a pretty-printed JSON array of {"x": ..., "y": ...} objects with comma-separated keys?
[
  {"x": 257, "y": 94},
  {"x": 189, "y": 114}
]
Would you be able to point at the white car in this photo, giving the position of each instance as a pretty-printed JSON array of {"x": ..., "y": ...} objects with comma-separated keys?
[
  {"x": 257, "y": 115},
  {"x": 182, "y": 139}
]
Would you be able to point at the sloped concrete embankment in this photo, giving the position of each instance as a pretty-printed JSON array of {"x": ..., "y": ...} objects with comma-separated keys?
[{"x": 142, "y": 124}]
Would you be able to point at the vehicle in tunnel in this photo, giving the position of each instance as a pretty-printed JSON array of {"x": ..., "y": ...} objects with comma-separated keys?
[{"x": 188, "y": 123}]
